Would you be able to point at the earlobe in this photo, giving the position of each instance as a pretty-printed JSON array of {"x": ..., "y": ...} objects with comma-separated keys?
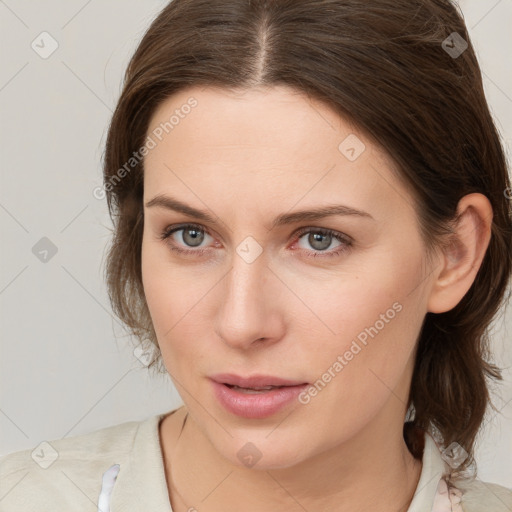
[{"x": 462, "y": 256}]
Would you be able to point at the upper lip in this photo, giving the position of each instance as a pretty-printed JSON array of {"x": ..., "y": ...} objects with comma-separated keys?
[{"x": 254, "y": 381}]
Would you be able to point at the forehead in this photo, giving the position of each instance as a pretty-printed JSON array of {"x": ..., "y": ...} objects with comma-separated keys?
[
  {"x": 266, "y": 144},
  {"x": 277, "y": 119}
]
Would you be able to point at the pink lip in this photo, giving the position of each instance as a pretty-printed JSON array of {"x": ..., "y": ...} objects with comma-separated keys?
[
  {"x": 256, "y": 405},
  {"x": 255, "y": 381}
]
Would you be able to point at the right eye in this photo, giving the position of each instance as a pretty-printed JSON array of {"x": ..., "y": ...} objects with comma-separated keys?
[{"x": 191, "y": 235}]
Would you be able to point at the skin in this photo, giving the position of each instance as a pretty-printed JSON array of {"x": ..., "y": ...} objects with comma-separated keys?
[{"x": 246, "y": 158}]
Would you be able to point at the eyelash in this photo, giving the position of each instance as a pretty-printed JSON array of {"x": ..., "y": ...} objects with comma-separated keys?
[{"x": 344, "y": 239}]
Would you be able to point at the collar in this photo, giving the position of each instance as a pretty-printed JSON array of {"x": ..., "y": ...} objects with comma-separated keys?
[
  {"x": 141, "y": 484},
  {"x": 433, "y": 470}
]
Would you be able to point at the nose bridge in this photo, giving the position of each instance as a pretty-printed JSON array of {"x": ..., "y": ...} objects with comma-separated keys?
[{"x": 244, "y": 312}]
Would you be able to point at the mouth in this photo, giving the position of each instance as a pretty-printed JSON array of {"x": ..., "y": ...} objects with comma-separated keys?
[
  {"x": 253, "y": 390},
  {"x": 255, "y": 397},
  {"x": 255, "y": 382}
]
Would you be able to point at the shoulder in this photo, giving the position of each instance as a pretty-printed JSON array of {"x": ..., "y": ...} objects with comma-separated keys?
[
  {"x": 477, "y": 496},
  {"x": 63, "y": 474},
  {"x": 81, "y": 448}
]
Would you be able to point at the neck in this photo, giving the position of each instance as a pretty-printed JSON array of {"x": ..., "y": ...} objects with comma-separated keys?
[{"x": 373, "y": 470}]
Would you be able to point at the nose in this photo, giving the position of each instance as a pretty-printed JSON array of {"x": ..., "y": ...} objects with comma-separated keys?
[{"x": 250, "y": 310}]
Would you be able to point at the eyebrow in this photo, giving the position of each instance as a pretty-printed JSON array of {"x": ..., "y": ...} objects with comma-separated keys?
[{"x": 170, "y": 203}]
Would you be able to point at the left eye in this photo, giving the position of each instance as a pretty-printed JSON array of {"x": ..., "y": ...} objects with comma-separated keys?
[{"x": 321, "y": 239}]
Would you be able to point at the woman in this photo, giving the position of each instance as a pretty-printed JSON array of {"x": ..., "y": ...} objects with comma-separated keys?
[{"x": 313, "y": 230}]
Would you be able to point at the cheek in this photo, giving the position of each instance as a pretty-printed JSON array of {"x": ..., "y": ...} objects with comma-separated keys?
[
  {"x": 174, "y": 295},
  {"x": 161, "y": 295},
  {"x": 379, "y": 290},
  {"x": 371, "y": 320},
  {"x": 365, "y": 364}
]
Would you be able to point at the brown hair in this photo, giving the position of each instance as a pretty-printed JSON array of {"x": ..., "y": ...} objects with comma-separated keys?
[{"x": 385, "y": 66}]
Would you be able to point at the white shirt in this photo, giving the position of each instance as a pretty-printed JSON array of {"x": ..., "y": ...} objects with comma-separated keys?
[{"x": 121, "y": 469}]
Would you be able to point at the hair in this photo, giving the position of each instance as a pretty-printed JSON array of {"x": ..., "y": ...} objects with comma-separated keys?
[{"x": 382, "y": 65}]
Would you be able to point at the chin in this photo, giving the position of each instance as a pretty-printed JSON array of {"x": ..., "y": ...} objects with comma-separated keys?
[{"x": 261, "y": 451}]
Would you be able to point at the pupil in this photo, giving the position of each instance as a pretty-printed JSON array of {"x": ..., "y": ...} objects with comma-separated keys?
[
  {"x": 196, "y": 238},
  {"x": 315, "y": 237}
]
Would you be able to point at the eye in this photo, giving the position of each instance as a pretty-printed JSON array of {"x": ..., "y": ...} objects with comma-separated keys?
[
  {"x": 320, "y": 240},
  {"x": 191, "y": 235}
]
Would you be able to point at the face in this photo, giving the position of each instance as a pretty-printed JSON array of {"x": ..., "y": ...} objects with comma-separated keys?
[{"x": 336, "y": 301}]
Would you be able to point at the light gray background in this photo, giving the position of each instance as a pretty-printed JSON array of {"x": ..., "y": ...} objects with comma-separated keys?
[{"x": 65, "y": 367}]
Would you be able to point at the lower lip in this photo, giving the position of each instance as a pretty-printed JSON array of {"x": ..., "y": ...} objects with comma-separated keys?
[{"x": 256, "y": 405}]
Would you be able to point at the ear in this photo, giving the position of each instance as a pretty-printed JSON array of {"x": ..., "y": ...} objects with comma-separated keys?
[{"x": 463, "y": 254}]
